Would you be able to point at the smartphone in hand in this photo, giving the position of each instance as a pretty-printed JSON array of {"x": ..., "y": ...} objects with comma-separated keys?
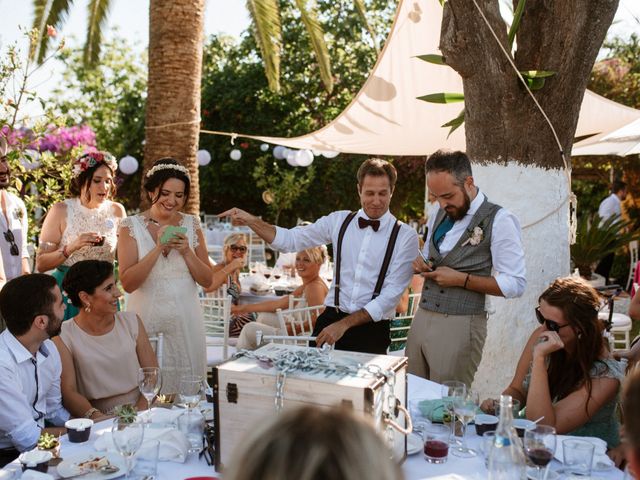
[
  {"x": 172, "y": 231},
  {"x": 425, "y": 260}
]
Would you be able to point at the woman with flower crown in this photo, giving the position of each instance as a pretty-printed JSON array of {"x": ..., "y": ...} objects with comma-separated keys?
[
  {"x": 85, "y": 226},
  {"x": 161, "y": 271}
]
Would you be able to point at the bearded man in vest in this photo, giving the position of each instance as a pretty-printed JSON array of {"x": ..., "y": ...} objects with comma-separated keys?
[
  {"x": 373, "y": 255},
  {"x": 473, "y": 249}
]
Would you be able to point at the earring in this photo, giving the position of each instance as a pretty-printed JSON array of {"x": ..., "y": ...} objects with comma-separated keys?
[
  {"x": 579, "y": 335},
  {"x": 87, "y": 307}
]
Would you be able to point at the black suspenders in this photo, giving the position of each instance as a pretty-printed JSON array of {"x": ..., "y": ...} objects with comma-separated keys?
[{"x": 385, "y": 263}]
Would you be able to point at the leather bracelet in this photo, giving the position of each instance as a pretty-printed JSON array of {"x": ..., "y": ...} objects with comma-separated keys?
[
  {"x": 466, "y": 280},
  {"x": 89, "y": 413}
]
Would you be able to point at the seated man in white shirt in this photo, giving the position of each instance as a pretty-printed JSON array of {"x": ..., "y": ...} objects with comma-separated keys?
[
  {"x": 611, "y": 207},
  {"x": 30, "y": 365},
  {"x": 372, "y": 264}
]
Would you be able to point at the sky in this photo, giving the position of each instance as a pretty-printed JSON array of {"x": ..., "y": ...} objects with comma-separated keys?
[{"x": 130, "y": 18}]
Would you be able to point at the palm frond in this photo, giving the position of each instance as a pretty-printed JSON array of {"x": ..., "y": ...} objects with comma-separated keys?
[
  {"x": 265, "y": 16},
  {"x": 97, "y": 13},
  {"x": 47, "y": 12},
  {"x": 360, "y": 8},
  {"x": 316, "y": 35}
]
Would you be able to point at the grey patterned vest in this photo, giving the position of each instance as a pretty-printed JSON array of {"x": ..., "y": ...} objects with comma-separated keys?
[{"x": 473, "y": 259}]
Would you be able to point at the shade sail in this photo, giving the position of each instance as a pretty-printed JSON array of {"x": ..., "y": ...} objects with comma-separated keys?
[
  {"x": 620, "y": 142},
  {"x": 386, "y": 118}
]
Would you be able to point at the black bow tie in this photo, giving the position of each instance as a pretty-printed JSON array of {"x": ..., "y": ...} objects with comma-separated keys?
[{"x": 364, "y": 223}]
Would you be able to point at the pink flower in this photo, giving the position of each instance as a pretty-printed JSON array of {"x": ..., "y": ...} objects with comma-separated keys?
[{"x": 51, "y": 31}]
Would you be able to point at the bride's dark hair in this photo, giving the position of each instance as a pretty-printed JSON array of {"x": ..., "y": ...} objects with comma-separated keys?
[{"x": 159, "y": 176}]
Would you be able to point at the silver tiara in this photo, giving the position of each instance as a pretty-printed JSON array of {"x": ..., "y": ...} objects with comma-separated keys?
[{"x": 168, "y": 166}]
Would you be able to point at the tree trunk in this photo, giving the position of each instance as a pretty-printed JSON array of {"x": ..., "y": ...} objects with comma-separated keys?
[
  {"x": 517, "y": 161},
  {"x": 173, "y": 95}
]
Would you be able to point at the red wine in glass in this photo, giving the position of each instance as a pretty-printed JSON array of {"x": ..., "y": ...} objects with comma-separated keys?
[
  {"x": 277, "y": 276},
  {"x": 436, "y": 448},
  {"x": 540, "y": 456},
  {"x": 267, "y": 275}
]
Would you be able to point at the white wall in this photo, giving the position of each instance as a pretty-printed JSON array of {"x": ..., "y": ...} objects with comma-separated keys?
[{"x": 530, "y": 193}]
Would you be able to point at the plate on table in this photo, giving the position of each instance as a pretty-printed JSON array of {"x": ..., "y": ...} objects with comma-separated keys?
[
  {"x": 69, "y": 466},
  {"x": 414, "y": 444}
]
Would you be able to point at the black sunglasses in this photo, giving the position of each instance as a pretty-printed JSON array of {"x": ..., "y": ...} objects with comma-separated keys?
[
  {"x": 238, "y": 248},
  {"x": 550, "y": 324},
  {"x": 14, "y": 250}
]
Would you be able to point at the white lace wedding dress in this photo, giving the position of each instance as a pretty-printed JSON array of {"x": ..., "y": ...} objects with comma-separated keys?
[{"x": 167, "y": 302}]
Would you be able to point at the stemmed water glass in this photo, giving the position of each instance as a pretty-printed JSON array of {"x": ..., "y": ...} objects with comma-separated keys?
[
  {"x": 190, "y": 391},
  {"x": 149, "y": 383},
  {"x": 465, "y": 407},
  {"x": 127, "y": 438},
  {"x": 451, "y": 389},
  {"x": 540, "y": 445}
]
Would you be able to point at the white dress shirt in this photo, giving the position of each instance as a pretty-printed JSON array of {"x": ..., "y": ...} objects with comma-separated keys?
[
  {"x": 507, "y": 254},
  {"x": 362, "y": 255},
  {"x": 17, "y": 215},
  {"x": 609, "y": 207},
  {"x": 20, "y": 420}
]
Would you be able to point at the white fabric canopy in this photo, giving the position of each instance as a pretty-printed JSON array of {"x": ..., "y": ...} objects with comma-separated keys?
[
  {"x": 621, "y": 142},
  {"x": 386, "y": 118}
]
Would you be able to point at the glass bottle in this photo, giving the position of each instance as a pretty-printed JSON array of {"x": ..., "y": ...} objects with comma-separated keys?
[{"x": 506, "y": 461}]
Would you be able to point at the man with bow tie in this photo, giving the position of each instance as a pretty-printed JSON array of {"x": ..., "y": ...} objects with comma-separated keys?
[
  {"x": 372, "y": 261},
  {"x": 474, "y": 249}
]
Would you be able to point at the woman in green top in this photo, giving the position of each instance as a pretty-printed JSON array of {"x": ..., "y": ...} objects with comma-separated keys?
[{"x": 566, "y": 373}]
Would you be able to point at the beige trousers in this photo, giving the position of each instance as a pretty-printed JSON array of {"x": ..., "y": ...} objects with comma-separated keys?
[
  {"x": 267, "y": 323},
  {"x": 445, "y": 347}
]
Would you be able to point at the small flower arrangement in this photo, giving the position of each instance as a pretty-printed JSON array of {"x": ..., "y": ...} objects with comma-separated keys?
[
  {"x": 126, "y": 413},
  {"x": 475, "y": 236},
  {"x": 49, "y": 442},
  {"x": 91, "y": 159}
]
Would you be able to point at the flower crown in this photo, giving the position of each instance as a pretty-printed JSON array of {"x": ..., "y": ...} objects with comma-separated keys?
[
  {"x": 91, "y": 159},
  {"x": 168, "y": 166}
]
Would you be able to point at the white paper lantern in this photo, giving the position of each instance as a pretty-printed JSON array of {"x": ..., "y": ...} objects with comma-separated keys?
[
  {"x": 316, "y": 153},
  {"x": 204, "y": 158},
  {"x": 304, "y": 158},
  {"x": 264, "y": 147},
  {"x": 330, "y": 154},
  {"x": 291, "y": 158},
  {"x": 278, "y": 152},
  {"x": 235, "y": 154},
  {"x": 128, "y": 165},
  {"x": 30, "y": 160}
]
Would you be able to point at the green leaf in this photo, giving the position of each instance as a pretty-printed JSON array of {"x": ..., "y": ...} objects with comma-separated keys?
[
  {"x": 443, "y": 97},
  {"x": 265, "y": 16},
  {"x": 537, "y": 73},
  {"x": 97, "y": 12},
  {"x": 47, "y": 12},
  {"x": 433, "y": 58},
  {"x": 517, "y": 16},
  {"x": 455, "y": 123},
  {"x": 316, "y": 35}
]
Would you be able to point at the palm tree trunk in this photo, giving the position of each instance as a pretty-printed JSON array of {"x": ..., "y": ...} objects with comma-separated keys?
[
  {"x": 517, "y": 161},
  {"x": 173, "y": 95}
]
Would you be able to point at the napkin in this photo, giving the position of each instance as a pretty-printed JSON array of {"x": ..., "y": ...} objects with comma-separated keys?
[
  {"x": 34, "y": 475},
  {"x": 162, "y": 415},
  {"x": 432, "y": 409},
  {"x": 601, "y": 460},
  {"x": 174, "y": 446}
]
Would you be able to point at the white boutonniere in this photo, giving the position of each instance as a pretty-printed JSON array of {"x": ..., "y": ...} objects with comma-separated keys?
[
  {"x": 475, "y": 237},
  {"x": 17, "y": 213}
]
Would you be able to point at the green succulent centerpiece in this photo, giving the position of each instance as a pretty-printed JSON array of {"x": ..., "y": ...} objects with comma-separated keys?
[{"x": 126, "y": 413}]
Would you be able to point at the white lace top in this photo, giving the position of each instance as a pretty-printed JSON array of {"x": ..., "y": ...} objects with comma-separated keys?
[{"x": 101, "y": 220}]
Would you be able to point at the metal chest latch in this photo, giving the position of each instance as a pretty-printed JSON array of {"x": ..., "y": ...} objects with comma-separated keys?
[{"x": 232, "y": 393}]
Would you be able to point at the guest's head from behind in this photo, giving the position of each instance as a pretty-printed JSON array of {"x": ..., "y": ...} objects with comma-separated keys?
[
  {"x": 376, "y": 181},
  {"x": 32, "y": 304},
  {"x": 631, "y": 406},
  {"x": 234, "y": 247},
  {"x": 569, "y": 309},
  {"x": 92, "y": 177},
  {"x": 450, "y": 180},
  {"x": 311, "y": 443},
  {"x": 619, "y": 188},
  {"x": 90, "y": 285},
  {"x": 168, "y": 184},
  {"x": 309, "y": 261}
]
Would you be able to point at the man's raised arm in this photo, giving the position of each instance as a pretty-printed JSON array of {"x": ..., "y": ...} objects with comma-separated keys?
[{"x": 264, "y": 230}]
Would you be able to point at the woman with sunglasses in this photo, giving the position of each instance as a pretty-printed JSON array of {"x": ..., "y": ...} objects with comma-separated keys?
[
  {"x": 226, "y": 275},
  {"x": 566, "y": 373},
  {"x": 85, "y": 226}
]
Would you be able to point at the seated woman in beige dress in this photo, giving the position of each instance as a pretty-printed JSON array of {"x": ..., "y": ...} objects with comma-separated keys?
[
  {"x": 313, "y": 289},
  {"x": 101, "y": 348}
]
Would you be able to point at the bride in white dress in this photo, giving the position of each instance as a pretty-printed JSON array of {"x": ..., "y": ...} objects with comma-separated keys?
[{"x": 161, "y": 277}]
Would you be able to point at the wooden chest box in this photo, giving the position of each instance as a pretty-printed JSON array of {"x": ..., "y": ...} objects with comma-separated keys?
[{"x": 245, "y": 391}]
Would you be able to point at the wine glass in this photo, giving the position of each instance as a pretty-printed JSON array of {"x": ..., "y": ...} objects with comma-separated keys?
[
  {"x": 266, "y": 271},
  {"x": 540, "y": 445},
  {"x": 277, "y": 273},
  {"x": 465, "y": 407},
  {"x": 149, "y": 383},
  {"x": 451, "y": 389},
  {"x": 189, "y": 391},
  {"x": 127, "y": 438}
]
